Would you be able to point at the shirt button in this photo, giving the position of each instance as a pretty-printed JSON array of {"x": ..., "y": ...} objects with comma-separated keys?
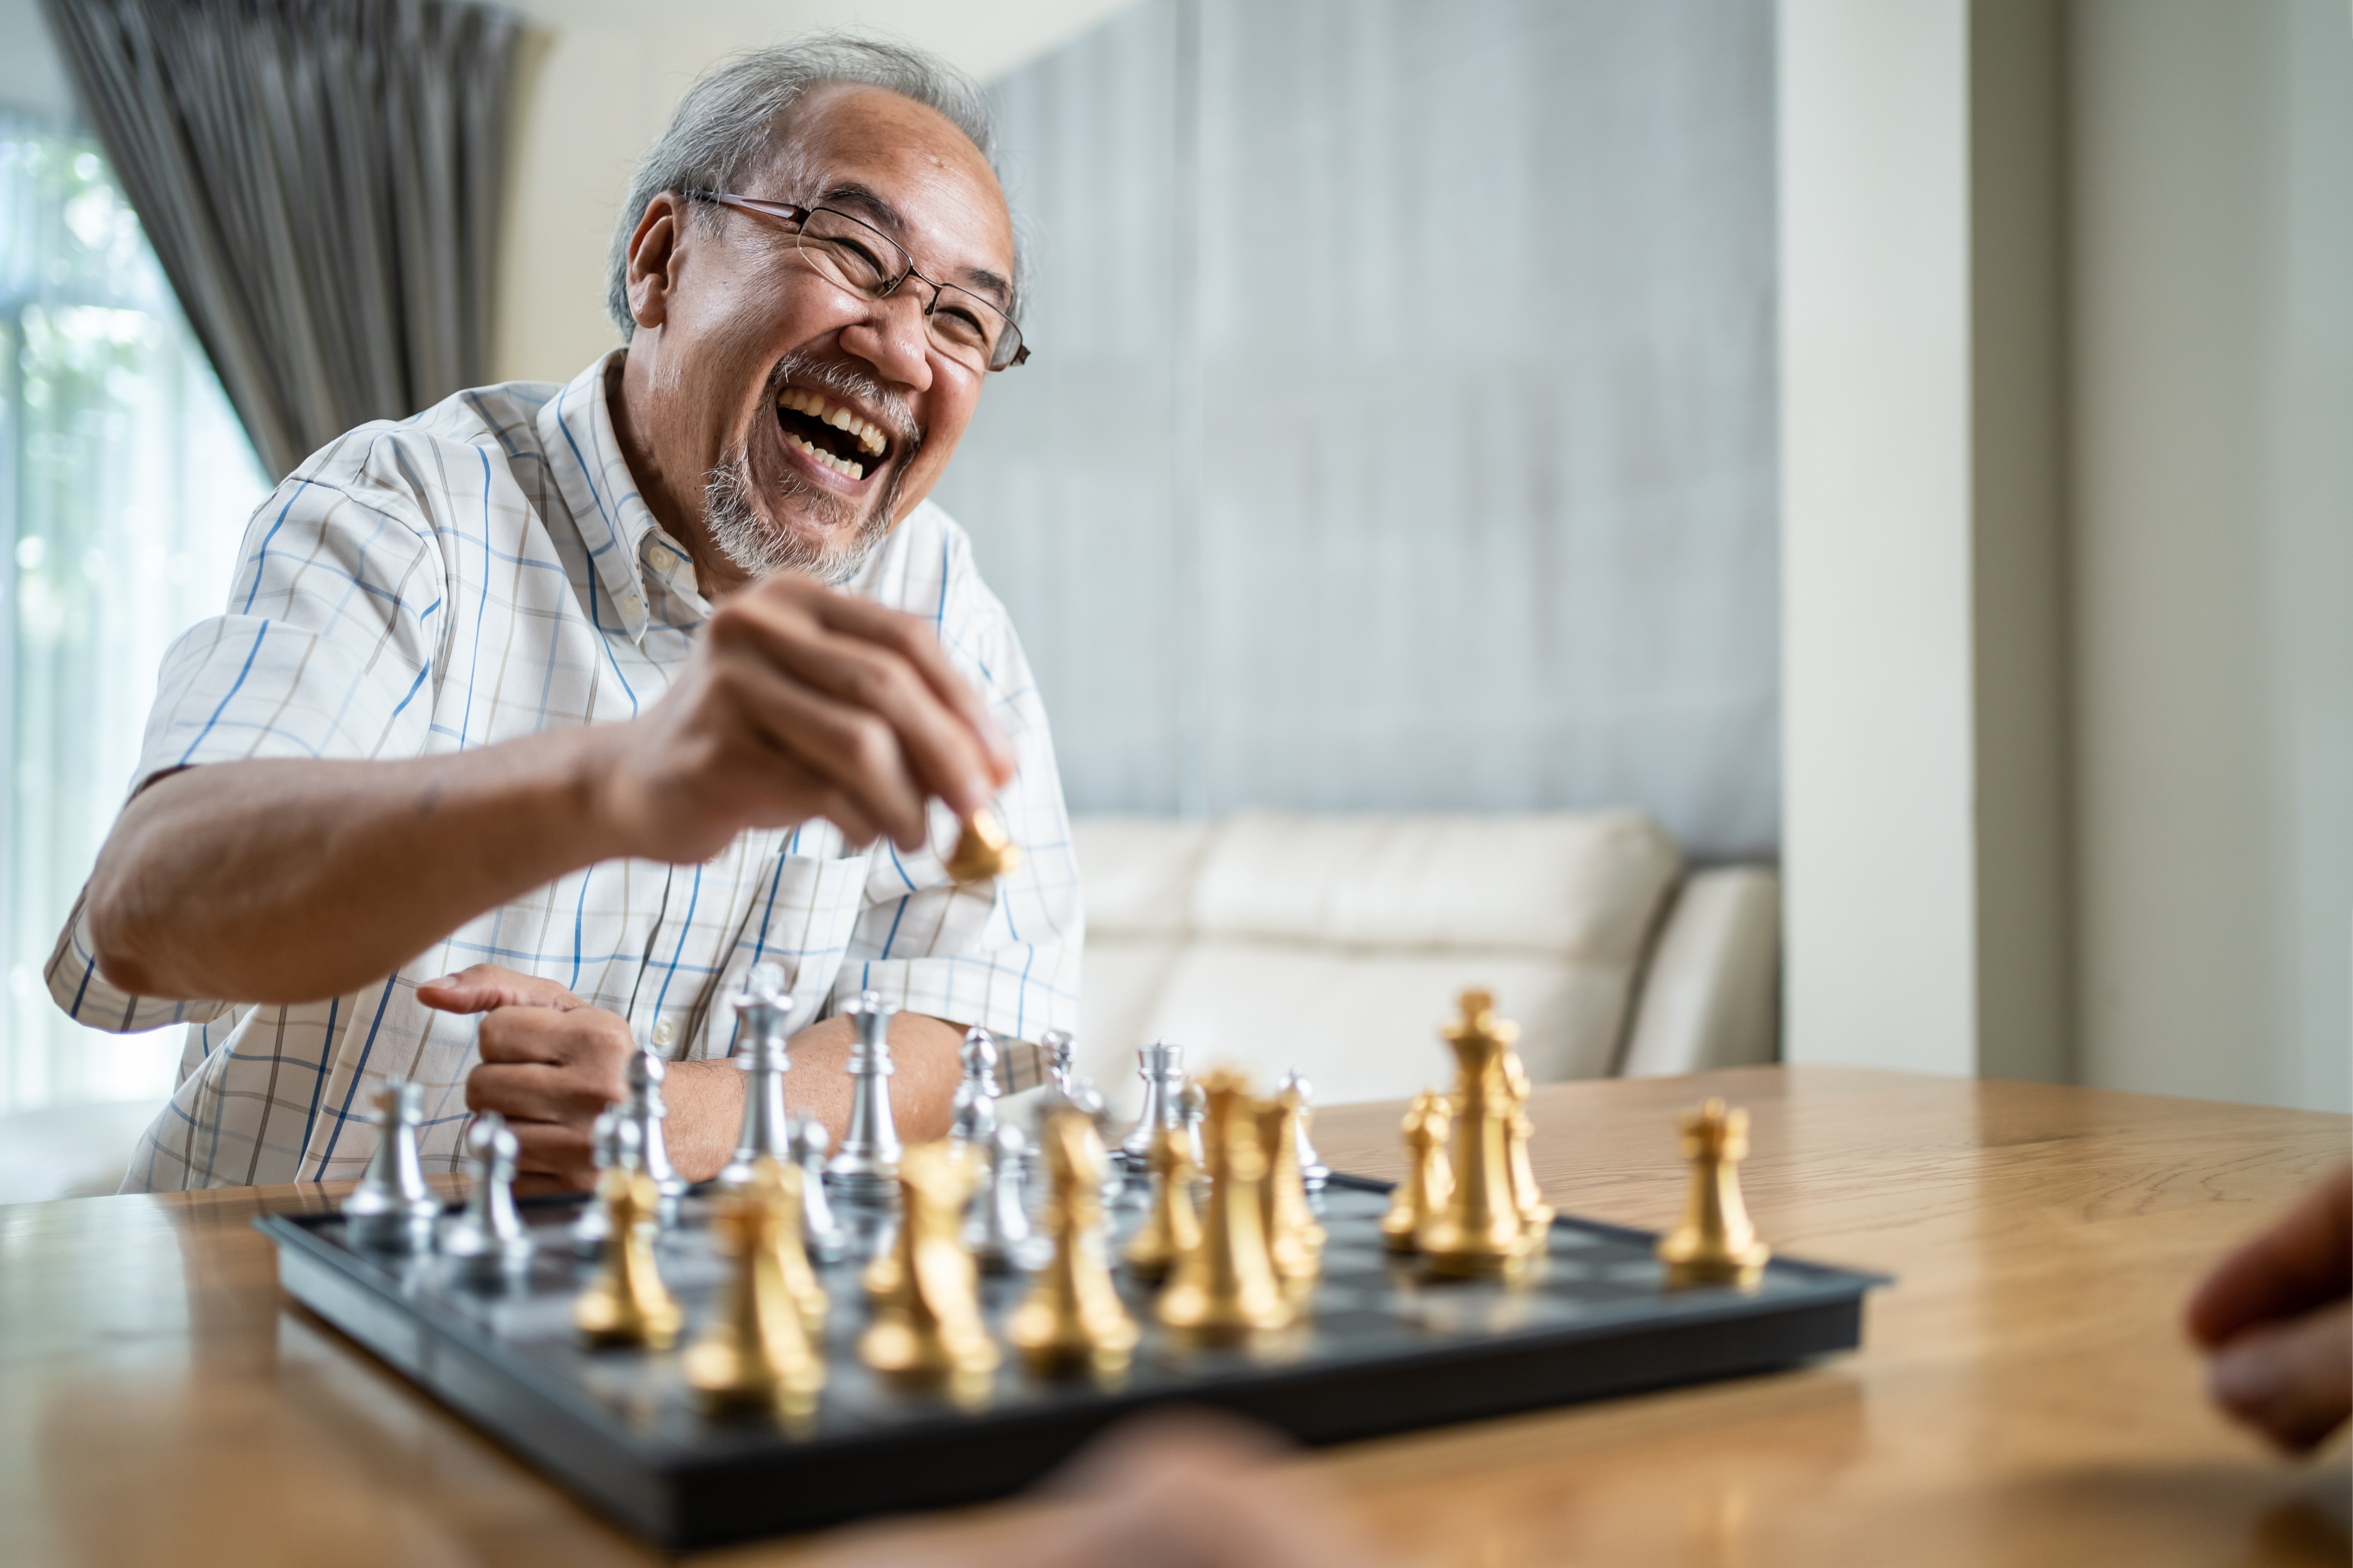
[{"x": 665, "y": 1031}]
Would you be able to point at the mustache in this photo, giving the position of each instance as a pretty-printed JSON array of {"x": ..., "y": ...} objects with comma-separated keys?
[{"x": 846, "y": 381}]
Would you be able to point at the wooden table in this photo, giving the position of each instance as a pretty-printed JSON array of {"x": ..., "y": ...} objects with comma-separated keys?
[{"x": 2024, "y": 1394}]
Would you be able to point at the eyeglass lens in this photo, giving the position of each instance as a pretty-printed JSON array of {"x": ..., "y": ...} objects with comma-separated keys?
[{"x": 863, "y": 260}]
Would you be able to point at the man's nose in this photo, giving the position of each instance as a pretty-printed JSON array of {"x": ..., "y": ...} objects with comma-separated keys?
[{"x": 894, "y": 338}]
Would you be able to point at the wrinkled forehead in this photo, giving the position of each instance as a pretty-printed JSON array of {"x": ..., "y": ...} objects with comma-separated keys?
[{"x": 908, "y": 170}]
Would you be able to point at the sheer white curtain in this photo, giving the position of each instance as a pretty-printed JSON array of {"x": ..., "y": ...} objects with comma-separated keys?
[
  {"x": 1401, "y": 432},
  {"x": 125, "y": 482}
]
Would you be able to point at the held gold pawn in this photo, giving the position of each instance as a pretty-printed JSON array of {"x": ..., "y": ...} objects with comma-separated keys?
[
  {"x": 1072, "y": 1319},
  {"x": 927, "y": 1327},
  {"x": 757, "y": 1354},
  {"x": 1170, "y": 1227},
  {"x": 1294, "y": 1242},
  {"x": 984, "y": 851},
  {"x": 626, "y": 1303},
  {"x": 1715, "y": 1244},
  {"x": 1224, "y": 1289},
  {"x": 1480, "y": 1230},
  {"x": 1421, "y": 1197},
  {"x": 1535, "y": 1214}
]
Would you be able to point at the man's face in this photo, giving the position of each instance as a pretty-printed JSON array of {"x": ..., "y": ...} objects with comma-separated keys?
[{"x": 798, "y": 420}]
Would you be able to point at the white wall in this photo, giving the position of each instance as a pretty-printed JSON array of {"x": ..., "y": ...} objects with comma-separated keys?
[
  {"x": 598, "y": 84},
  {"x": 31, "y": 76}
]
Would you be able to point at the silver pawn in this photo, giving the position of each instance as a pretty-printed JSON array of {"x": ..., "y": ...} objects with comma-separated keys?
[
  {"x": 487, "y": 1243},
  {"x": 1314, "y": 1173},
  {"x": 391, "y": 1209},
  {"x": 1056, "y": 1050},
  {"x": 867, "y": 1162},
  {"x": 820, "y": 1232},
  {"x": 646, "y": 1111},
  {"x": 1161, "y": 1065},
  {"x": 998, "y": 1231},
  {"x": 972, "y": 1122},
  {"x": 762, "y": 1009},
  {"x": 1196, "y": 1106},
  {"x": 612, "y": 1144}
]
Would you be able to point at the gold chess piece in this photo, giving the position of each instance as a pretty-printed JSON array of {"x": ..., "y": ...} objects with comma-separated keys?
[
  {"x": 926, "y": 1292},
  {"x": 984, "y": 851},
  {"x": 785, "y": 1185},
  {"x": 1480, "y": 1230},
  {"x": 1716, "y": 1244},
  {"x": 1072, "y": 1319},
  {"x": 1170, "y": 1227},
  {"x": 1224, "y": 1289},
  {"x": 1294, "y": 1242},
  {"x": 757, "y": 1353},
  {"x": 1535, "y": 1214},
  {"x": 1421, "y": 1197},
  {"x": 626, "y": 1303}
]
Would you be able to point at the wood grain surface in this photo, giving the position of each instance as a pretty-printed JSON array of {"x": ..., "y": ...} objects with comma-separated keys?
[{"x": 2024, "y": 1394}]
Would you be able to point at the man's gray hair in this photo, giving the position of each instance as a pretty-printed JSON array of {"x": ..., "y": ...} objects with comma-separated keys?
[{"x": 731, "y": 120}]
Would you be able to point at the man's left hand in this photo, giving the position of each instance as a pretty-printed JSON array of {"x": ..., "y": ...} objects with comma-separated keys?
[{"x": 550, "y": 1064}]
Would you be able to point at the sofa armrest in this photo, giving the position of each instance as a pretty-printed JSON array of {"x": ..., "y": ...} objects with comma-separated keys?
[{"x": 1710, "y": 996}]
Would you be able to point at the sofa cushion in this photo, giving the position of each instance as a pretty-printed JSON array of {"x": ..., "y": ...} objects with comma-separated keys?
[{"x": 1138, "y": 873}]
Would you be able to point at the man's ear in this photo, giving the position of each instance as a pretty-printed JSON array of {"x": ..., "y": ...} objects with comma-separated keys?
[{"x": 654, "y": 256}]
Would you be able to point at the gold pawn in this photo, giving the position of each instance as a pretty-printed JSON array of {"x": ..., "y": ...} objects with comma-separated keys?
[
  {"x": 1072, "y": 1319},
  {"x": 927, "y": 1327},
  {"x": 1534, "y": 1213},
  {"x": 756, "y": 1353},
  {"x": 1716, "y": 1244},
  {"x": 626, "y": 1303},
  {"x": 1480, "y": 1230},
  {"x": 1419, "y": 1199},
  {"x": 1170, "y": 1227},
  {"x": 984, "y": 851},
  {"x": 1224, "y": 1289},
  {"x": 1294, "y": 1242}
]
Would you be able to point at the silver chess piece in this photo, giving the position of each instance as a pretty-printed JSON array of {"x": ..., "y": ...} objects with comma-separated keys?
[
  {"x": 820, "y": 1232},
  {"x": 646, "y": 1111},
  {"x": 973, "y": 1122},
  {"x": 1195, "y": 1106},
  {"x": 1161, "y": 1065},
  {"x": 391, "y": 1210},
  {"x": 1056, "y": 1050},
  {"x": 997, "y": 1230},
  {"x": 761, "y": 1010},
  {"x": 1314, "y": 1173},
  {"x": 613, "y": 1143},
  {"x": 867, "y": 1161},
  {"x": 486, "y": 1243}
]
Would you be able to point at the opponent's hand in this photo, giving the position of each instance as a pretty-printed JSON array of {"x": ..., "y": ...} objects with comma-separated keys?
[
  {"x": 2278, "y": 1316},
  {"x": 550, "y": 1064},
  {"x": 799, "y": 701}
]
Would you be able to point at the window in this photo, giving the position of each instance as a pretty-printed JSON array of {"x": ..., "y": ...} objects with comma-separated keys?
[{"x": 125, "y": 481}]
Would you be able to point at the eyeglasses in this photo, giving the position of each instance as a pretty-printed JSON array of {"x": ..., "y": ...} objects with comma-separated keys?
[{"x": 864, "y": 260}]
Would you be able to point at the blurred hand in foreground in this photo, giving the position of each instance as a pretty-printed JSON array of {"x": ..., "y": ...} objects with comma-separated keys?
[
  {"x": 2277, "y": 1316},
  {"x": 1182, "y": 1490}
]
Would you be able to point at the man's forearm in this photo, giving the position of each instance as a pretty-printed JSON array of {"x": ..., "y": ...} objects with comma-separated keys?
[{"x": 287, "y": 882}]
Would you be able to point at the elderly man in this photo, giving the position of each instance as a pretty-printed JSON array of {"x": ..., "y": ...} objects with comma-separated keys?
[{"x": 536, "y": 720}]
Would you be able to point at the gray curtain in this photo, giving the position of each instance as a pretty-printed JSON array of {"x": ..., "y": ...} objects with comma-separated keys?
[{"x": 320, "y": 180}]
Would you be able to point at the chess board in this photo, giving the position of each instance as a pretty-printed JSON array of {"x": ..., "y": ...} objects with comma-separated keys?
[{"x": 1379, "y": 1351}]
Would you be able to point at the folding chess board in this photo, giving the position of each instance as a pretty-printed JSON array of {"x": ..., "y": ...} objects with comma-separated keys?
[{"x": 1379, "y": 1351}]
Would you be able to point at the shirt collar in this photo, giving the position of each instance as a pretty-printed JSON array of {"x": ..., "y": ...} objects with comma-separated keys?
[{"x": 623, "y": 541}]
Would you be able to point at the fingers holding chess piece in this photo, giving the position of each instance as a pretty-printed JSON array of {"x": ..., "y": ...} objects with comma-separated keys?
[
  {"x": 1224, "y": 1289},
  {"x": 1171, "y": 1228},
  {"x": 1421, "y": 1197},
  {"x": 1294, "y": 1242},
  {"x": 391, "y": 1210},
  {"x": 927, "y": 1328},
  {"x": 486, "y": 1243},
  {"x": 1073, "y": 1321},
  {"x": 758, "y": 1353},
  {"x": 626, "y": 1303},
  {"x": 1480, "y": 1230},
  {"x": 984, "y": 851},
  {"x": 1716, "y": 1244}
]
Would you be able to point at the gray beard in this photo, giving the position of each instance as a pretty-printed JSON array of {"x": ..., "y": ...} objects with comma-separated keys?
[{"x": 756, "y": 547}]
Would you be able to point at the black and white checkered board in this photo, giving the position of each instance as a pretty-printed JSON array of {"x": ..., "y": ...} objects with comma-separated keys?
[{"x": 1381, "y": 1351}]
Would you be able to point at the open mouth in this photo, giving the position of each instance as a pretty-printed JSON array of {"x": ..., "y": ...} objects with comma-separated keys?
[{"x": 834, "y": 436}]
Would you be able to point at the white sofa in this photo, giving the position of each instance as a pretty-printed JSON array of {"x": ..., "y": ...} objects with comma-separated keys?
[{"x": 1336, "y": 944}]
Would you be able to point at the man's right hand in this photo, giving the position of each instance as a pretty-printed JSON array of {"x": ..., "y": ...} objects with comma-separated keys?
[{"x": 800, "y": 701}]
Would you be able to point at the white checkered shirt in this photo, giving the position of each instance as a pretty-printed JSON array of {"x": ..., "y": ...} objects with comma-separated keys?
[{"x": 486, "y": 571}]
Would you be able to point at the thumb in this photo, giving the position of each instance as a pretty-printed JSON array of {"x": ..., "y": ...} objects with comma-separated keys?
[{"x": 483, "y": 986}]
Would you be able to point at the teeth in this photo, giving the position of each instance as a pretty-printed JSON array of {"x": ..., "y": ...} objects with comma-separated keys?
[
  {"x": 816, "y": 408},
  {"x": 839, "y": 465}
]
